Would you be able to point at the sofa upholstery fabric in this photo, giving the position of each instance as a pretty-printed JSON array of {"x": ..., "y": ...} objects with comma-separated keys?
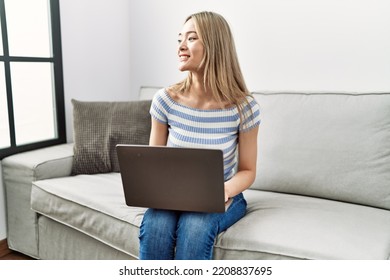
[
  {"x": 286, "y": 226},
  {"x": 334, "y": 146},
  {"x": 93, "y": 204},
  {"x": 19, "y": 171},
  {"x": 63, "y": 242},
  {"x": 276, "y": 225},
  {"x": 321, "y": 192}
]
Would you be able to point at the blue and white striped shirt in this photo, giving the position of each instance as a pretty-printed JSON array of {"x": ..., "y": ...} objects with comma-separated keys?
[{"x": 208, "y": 129}]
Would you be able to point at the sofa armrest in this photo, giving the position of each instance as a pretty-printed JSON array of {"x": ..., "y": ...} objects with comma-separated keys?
[
  {"x": 51, "y": 162},
  {"x": 19, "y": 171}
]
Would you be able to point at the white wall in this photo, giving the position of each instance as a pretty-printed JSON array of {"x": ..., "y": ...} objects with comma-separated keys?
[
  {"x": 96, "y": 52},
  {"x": 311, "y": 45}
]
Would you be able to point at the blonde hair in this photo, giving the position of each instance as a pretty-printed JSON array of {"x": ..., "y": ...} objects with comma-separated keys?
[{"x": 222, "y": 72}]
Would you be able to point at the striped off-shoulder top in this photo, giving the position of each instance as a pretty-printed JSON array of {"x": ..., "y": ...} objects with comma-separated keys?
[{"x": 211, "y": 129}]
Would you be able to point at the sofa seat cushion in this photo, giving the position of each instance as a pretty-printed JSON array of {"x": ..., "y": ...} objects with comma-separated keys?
[
  {"x": 276, "y": 226},
  {"x": 93, "y": 204},
  {"x": 289, "y": 226}
]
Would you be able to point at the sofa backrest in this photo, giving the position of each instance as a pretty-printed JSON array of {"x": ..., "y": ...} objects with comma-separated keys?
[
  {"x": 147, "y": 93},
  {"x": 334, "y": 146}
]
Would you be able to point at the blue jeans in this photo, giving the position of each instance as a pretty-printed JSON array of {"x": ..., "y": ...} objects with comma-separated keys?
[{"x": 167, "y": 235}]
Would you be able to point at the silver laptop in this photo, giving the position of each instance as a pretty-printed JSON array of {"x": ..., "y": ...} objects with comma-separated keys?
[{"x": 172, "y": 178}]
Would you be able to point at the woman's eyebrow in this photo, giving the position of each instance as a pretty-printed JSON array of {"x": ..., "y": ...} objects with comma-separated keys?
[{"x": 188, "y": 32}]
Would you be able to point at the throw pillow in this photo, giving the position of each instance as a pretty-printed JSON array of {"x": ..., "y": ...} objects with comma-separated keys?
[{"x": 100, "y": 126}]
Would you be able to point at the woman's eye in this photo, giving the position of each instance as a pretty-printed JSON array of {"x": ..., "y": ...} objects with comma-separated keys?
[
  {"x": 179, "y": 41},
  {"x": 191, "y": 39}
]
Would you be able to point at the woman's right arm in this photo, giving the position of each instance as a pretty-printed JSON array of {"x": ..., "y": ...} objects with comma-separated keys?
[{"x": 158, "y": 133}]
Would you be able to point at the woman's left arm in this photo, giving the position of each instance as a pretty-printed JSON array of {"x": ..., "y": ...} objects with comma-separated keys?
[{"x": 247, "y": 158}]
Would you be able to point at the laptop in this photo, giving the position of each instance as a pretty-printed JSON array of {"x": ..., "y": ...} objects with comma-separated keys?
[{"x": 185, "y": 179}]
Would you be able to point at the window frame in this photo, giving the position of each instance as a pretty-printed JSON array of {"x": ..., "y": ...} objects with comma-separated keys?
[{"x": 56, "y": 60}]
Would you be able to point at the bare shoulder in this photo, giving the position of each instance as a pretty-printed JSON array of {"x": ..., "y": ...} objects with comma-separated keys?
[{"x": 173, "y": 93}]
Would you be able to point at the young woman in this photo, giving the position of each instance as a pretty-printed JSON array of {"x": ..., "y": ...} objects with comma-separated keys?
[{"x": 211, "y": 108}]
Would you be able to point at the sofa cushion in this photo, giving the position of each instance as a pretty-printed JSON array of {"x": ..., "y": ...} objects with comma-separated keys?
[
  {"x": 100, "y": 126},
  {"x": 280, "y": 226},
  {"x": 334, "y": 146},
  {"x": 92, "y": 204},
  {"x": 276, "y": 225}
]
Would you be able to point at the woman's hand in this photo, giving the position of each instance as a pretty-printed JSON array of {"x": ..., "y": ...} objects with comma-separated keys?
[{"x": 226, "y": 196}]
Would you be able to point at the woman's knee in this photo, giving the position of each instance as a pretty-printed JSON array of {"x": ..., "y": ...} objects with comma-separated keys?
[
  {"x": 197, "y": 224},
  {"x": 195, "y": 236}
]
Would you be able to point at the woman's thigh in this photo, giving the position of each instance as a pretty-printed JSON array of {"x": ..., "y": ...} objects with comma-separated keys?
[
  {"x": 158, "y": 234},
  {"x": 196, "y": 232}
]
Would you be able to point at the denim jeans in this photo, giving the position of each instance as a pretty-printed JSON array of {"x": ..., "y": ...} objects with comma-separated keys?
[{"x": 167, "y": 235}]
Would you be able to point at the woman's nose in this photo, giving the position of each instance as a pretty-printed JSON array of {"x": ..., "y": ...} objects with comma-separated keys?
[{"x": 182, "y": 46}]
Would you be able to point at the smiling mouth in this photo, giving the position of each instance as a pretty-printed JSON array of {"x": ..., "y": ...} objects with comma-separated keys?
[{"x": 184, "y": 57}]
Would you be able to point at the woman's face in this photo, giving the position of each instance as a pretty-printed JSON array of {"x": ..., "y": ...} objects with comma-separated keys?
[{"x": 190, "y": 48}]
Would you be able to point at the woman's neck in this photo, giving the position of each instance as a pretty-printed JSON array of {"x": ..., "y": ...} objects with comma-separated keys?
[{"x": 198, "y": 88}]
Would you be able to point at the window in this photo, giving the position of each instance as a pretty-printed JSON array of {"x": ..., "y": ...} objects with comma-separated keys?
[{"x": 32, "y": 111}]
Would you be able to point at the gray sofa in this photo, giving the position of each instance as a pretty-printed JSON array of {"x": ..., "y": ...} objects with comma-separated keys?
[{"x": 322, "y": 190}]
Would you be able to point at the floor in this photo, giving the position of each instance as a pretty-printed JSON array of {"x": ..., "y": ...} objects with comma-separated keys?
[{"x": 15, "y": 256}]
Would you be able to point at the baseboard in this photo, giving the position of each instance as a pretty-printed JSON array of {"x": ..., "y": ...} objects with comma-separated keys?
[{"x": 4, "y": 250}]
